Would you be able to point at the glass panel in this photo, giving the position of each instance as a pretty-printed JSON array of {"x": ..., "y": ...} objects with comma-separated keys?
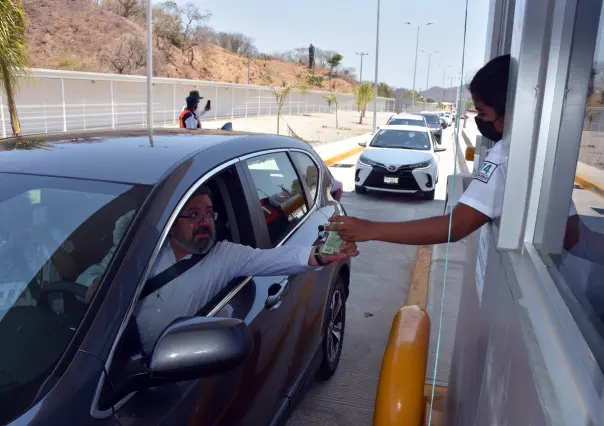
[
  {"x": 402, "y": 139},
  {"x": 578, "y": 268},
  {"x": 309, "y": 172},
  {"x": 405, "y": 122},
  {"x": 57, "y": 236},
  {"x": 280, "y": 193}
]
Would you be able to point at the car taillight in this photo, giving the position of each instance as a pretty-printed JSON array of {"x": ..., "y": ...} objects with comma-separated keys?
[{"x": 337, "y": 189}]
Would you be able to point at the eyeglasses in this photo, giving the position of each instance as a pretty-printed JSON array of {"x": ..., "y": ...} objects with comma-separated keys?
[{"x": 195, "y": 217}]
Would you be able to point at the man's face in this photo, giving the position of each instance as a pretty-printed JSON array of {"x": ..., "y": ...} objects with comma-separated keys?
[{"x": 194, "y": 230}]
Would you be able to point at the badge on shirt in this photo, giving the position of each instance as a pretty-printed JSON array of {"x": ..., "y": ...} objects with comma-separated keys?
[{"x": 486, "y": 171}]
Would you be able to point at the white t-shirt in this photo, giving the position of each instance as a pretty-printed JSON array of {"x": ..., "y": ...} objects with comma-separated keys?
[{"x": 485, "y": 192}]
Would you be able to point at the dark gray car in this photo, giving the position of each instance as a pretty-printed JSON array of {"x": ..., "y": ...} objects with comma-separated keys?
[
  {"x": 434, "y": 124},
  {"x": 69, "y": 203}
]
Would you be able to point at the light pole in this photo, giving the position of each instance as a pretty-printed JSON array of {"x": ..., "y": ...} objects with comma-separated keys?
[
  {"x": 377, "y": 54},
  {"x": 444, "y": 72},
  {"x": 428, "y": 73},
  {"x": 415, "y": 66},
  {"x": 361, "y": 73}
]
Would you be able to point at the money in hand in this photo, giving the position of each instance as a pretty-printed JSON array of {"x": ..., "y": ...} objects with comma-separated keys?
[{"x": 332, "y": 245}]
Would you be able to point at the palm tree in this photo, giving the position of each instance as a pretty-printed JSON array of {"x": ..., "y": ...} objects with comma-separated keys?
[
  {"x": 363, "y": 94},
  {"x": 332, "y": 99},
  {"x": 13, "y": 53},
  {"x": 281, "y": 93}
]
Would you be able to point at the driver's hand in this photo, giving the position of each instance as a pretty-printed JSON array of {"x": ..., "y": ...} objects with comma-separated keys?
[{"x": 92, "y": 289}]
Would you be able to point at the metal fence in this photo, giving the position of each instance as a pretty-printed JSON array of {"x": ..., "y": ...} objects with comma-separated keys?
[{"x": 60, "y": 101}]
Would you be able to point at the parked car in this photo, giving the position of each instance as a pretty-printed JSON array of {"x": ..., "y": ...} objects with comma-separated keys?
[
  {"x": 434, "y": 124},
  {"x": 400, "y": 159},
  {"x": 109, "y": 199},
  {"x": 407, "y": 120}
]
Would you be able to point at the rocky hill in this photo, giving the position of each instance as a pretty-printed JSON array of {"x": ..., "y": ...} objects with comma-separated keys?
[{"x": 79, "y": 35}]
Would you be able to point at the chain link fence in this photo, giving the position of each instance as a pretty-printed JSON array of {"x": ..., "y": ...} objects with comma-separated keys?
[{"x": 51, "y": 101}]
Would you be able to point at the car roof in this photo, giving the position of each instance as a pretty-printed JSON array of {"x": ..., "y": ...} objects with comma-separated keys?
[
  {"x": 407, "y": 115},
  {"x": 428, "y": 112},
  {"x": 124, "y": 156},
  {"x": 405, "y": 127}
]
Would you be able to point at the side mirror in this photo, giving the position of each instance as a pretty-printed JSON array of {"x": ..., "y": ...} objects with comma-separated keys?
[
  {"x": 439, "y": 149},
  {"x": 199, "y": 346},
  {"x": 363, "y": 144},
  {"x": 228, "y": 127},
  {"x": 188, "y": 349}
]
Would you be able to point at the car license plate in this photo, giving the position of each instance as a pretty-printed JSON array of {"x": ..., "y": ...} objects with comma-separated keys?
[{"x": 389, "y": 179}]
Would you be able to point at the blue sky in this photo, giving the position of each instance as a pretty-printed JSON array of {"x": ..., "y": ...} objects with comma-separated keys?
[{"x": 349, "y": 26}]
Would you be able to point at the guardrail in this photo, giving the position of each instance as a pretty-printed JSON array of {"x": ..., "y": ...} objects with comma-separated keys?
[
  {"x": 58, "y": 101},
  {"x": 400, "y": 396}
]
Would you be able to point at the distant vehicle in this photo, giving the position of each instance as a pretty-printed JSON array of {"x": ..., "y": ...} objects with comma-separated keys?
[
  {"x": 400, "y": 159},
  {"x": 243, "y": 358},
  {"x": 449, "y": 116},
  {"x": 407, "y": 120},
  {"x": 434, "y": 124},
  {"x": 444, "y": 119}
]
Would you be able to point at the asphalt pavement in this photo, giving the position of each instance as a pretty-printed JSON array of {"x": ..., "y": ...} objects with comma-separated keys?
[{"x": 379, "y": 286}]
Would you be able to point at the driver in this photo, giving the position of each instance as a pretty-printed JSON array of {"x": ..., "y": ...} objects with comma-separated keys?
[{"x": 193, "y": 233}]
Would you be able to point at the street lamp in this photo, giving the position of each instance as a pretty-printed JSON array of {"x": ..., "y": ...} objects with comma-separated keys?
[
  {"x": 415, "y": 66},
  {"x": 377, "y": 53},
  {"x": 361, "y": 74},
  {"x": 428, "y": 73}
]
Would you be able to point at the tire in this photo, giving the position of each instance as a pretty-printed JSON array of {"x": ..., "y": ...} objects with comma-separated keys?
[
  {"x": 360, "y": 189},
  {"x": 429, "y": 195},
  {"x": 334, "y": 325}
]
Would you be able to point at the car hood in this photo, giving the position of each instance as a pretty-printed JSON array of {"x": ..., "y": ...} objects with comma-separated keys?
[{"x": 399, "y": 157}]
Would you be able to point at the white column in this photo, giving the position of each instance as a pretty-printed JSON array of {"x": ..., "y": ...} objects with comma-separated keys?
[
  {"x": 45, "y": 114},
  {"x": 149, "y": 69},
  {"x": 112, "y": 105},
  {"x": 259, "y": 103},
  {"x": 63, "y": 102},
  {"x": 232, "y": 102},
  {"x": 246, "y": 93},
  {"x": 174, "y": 109},
  {"x": 216, "y": 105},
  {"x": 84, "y": 111},
  {"x": 377, "y": 56}
]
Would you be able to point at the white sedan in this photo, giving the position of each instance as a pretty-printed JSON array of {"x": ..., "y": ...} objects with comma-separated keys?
[{"x": 401, "y": 159}]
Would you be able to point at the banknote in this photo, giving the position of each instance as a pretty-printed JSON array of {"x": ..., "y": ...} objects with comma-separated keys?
[{"x": 332, "y": 244}]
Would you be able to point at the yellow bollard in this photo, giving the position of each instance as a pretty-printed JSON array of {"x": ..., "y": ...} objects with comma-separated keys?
[
  {"x": 470, "y": 151},
  {"x": 400, "y": 395}
]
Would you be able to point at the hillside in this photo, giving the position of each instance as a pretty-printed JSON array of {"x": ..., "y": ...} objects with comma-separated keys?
[{"x": 78, "y": 35}]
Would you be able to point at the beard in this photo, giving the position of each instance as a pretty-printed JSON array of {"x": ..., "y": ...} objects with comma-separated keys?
[{"x": 198, "y": 246}]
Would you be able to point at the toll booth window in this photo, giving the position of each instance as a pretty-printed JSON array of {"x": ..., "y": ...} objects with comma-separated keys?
[
  {"x": 308, "y": 172},
  {"x": 280, "y": 193},
  {"x": 578, "y": 269}
]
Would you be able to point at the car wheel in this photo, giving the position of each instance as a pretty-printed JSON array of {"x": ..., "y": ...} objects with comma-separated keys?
[
  {"x": 360, "y": 189},
  {"x": 333, "y": 330}
]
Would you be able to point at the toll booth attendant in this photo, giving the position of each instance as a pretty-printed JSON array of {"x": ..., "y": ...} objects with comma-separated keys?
[{"x": 481, "y": 201}]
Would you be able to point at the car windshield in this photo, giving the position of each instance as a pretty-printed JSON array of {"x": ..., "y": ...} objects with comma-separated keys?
[
  {"x": 431, "y": 118},
  {"x": 406, "y": 122},
  {"x": 53, "y": 230},
  {"x": 403, "y": 139}
]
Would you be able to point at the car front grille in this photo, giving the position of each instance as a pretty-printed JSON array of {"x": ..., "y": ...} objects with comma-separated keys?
[{"x": 406, "y": 181}]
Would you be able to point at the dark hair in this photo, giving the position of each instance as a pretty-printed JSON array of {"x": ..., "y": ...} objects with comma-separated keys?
[
  {"x": 192, "y": 101},
  {"x": 490, "y": 84},
  {"x": 203, "y": 190}
]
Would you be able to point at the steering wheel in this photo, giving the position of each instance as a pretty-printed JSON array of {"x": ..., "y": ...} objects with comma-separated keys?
[{"x": 77, "y": 291}]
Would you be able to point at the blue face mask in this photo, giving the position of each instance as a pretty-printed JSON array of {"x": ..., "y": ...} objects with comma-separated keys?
[{"x": 487, "y": 129}]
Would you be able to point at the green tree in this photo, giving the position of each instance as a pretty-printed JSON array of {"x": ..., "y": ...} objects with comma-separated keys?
[
  {"x": 363, "y": 94},
  {"x": 14, "y": 55},
  {"x": 332, "y": 99},
  {"x": 385, "y": 91},
  {"x": 333, "y": 63},
  {"x": 281, "y": 93}
]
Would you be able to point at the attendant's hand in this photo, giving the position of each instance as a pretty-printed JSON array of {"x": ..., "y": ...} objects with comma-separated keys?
[
  {"x": 351, "y": 228},
  {"x": 347, "y": 250}
]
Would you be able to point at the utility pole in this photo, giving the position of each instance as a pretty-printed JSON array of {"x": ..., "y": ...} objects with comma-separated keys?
[
  {"x": 444, "y": 71},
  {"x": 377, "y": 55},
  {"x": 415, "y": 66},
  {"x": 428, "y": 73},
  {"x": 361, "y": 73},
  {"x": 451, "y": 85}
]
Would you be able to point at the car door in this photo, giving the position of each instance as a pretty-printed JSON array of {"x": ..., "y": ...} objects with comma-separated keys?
[
  {"x": 292, "y": 215},
  {"x": 249, "y": 394}
]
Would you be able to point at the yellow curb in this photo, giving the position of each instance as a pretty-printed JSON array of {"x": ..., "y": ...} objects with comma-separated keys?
[
  {"x": 330, "y": 161},
  {"x": 418, "y": 290},
  {"x": 590, "y": 185}
]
